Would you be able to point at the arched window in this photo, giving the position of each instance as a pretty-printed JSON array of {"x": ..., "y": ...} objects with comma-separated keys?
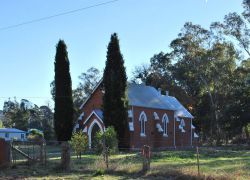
[
  {"x": 143, "y": 119},
  {"x": 165, "y": 122}
]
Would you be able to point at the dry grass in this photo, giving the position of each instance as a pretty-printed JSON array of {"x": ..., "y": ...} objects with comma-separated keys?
[{"x": 224, "y": 164}]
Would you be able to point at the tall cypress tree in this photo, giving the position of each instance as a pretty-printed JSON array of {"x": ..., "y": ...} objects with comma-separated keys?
[
  {"x": 63, "y": 117},
  {"x": 114, "y": 100}
]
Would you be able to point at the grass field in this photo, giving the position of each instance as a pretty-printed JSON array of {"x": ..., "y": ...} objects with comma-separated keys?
[{"x": 217, "y": 164}]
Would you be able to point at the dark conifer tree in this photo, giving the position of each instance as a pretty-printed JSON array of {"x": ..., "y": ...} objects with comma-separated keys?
[
  {"x": 63, "y": 117},
  {"x": 115, "y": 84}
]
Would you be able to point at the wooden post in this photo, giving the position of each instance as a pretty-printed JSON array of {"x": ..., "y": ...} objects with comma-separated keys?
[
  {"x": 105, "y": 153},
  {"x": 42, "y": 151},
  {"x": 146, "y": 157},
  {"x": 107, "y": 157},
  {"x": 45, "y": 155},
  {"x": 33, "y": 151},
  {"x": 198, "y": 161}
]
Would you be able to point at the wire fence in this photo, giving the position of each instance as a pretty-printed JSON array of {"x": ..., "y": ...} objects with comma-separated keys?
[{"x": 48, "y": 156}]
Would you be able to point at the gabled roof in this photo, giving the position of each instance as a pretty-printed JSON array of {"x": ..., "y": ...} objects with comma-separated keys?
[
  {"x": 147, "y": 96},
  {"x": 98, "y": 113},
  {"x": 98, "y": 84},
  {"x": 181, "y": 110},
  {"x": 11, "y": 130}
]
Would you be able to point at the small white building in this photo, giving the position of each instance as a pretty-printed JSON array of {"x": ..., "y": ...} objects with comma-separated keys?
[{"x": 12, "y": 134}]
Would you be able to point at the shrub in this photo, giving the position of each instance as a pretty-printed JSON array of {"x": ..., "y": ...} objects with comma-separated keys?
[
  {"x": 35, "y": 135},
  {"x": 79, "y": 143},
  {"x": 107, "y": 139}
]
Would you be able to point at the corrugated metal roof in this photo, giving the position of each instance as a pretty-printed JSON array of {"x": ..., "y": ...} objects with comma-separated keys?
[
  {"x": 147, "y": 96},
  {"x": 11, "y": 130},
  {"x": 181, "y": 110}
]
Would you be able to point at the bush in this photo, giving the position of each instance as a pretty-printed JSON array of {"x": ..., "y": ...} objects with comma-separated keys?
[
  {"x": 99, "y": 172},
  {"x": 79, "y": 143},
  {"x": 107, "y": 139},
  {"x": 35, "y": 135}
]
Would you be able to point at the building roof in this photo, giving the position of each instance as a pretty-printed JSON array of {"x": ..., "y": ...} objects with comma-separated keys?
[
  {"x": 147, "y": 96},
  {"x": 181, "y": 110},
  {"x": 11, "y": 130}
]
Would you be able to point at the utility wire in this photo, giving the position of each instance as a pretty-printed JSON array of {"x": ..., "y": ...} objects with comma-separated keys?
[
  {"x": 32, "y": 97},
  {"x": 56, "y": 15}
]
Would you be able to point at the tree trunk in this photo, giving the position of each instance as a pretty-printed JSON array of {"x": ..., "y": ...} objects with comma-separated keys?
[
  {"x": 65, "y": 156},
  {"x": 247, "y": 134},
  {"x": 215, "y": 114}
]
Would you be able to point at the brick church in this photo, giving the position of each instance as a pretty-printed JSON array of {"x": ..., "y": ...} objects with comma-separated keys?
[{"x": 157, "y": 120}]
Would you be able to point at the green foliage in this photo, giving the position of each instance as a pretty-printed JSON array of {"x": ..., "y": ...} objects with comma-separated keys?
[
  {"x": 35, "y": 132},
  {"x": 1, "y": 124},
  {"x": 200, "y": 60},
  {"x": 47, "y": 119},
  {"x": 99, "y": 172},
  {"x": 15, "y": 116},
  {"x": 79, "y": 142},
  {"x": 35, "y": 135},
  {"x": 159, "y": 74},
  {"x": 107, "y": 140},
  {"x": 26, "y": 115},
  {"x": 115, "y": 83},
  {"x": 88, "y": 81},
  {"x": 203, "y": 72},
  {"x": 63, "y": 116}
]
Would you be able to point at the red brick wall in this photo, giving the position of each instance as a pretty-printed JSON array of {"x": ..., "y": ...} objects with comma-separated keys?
[
  {"x": 95, "y": 102},
  {"x": 153, "y": 138},
  {"x": 91, "y": 119},
  {"x": 183, "y": 139}
]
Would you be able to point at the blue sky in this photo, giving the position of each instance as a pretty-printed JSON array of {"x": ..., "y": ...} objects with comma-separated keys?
[{"x": 145, "y": 27}]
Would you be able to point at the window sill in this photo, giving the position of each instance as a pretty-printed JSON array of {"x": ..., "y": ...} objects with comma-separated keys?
[
  {"x": 165, "y": 135},
  {"x": 143, "y": 135}
]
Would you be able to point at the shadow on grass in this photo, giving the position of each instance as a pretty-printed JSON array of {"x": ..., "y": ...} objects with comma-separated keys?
[
  {"x": 157, "y": 175},
  {"x": 52, "y": 171},
  {"x": 164, "y": 165}
]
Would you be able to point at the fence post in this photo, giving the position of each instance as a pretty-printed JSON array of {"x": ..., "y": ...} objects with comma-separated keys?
[
  {"x": 42, "y": 151},
  {"x": 198, "y": 160},
  {"x": 146, "y": 158},
  {"x": 105, "y": 152}
]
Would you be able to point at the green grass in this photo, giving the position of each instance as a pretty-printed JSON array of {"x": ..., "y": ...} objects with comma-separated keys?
[{"x": 218, "y": 164}]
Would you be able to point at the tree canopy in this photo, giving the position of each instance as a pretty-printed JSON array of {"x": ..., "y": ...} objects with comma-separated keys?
[
  {"x": 63, "y": 115},
  {"x": 115, "y": 98}
]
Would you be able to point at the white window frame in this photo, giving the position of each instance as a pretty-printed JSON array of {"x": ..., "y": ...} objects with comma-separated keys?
[
  {"x": 182, "y": 125},
  {"x": 143, "y": 120},
  {"x": 165, "y": 122}
]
